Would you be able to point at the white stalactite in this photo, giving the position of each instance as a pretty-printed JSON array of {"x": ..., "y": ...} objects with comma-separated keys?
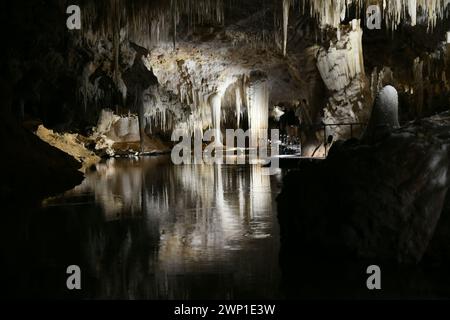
[
  {"x": 216, "y": 108},
  {"x": 341, "y": 67},
  {"x": 333, "y": 12},
  {"x": 412, "y": 11},
  {"x": 286, "y": 7},
  {"x": 149, "y": 23},
  {"x": 257, "y": 95},
  {"x": 343, "y": 61},
  {"x": 238, "y": 106}
]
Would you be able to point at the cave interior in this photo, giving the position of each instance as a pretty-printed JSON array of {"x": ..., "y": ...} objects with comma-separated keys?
[{"x": 91, "y": 93}]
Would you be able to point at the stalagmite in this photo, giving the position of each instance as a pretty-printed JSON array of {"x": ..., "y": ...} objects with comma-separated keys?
[{"x": 384, "y": 116}]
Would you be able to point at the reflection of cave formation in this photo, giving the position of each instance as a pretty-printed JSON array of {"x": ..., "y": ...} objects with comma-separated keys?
[{"x": 185, "y": 216}]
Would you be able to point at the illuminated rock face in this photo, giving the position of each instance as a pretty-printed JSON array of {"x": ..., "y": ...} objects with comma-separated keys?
[
  {"x": 221, "y": 85},
  {"x": 341, "y": 67},
  {"x": 257, "y": 93},
  {"x": 119, "y": 135},
  {"x": 384, "y": 116},
  {"x": 343, "y": 61},
  {"x": 118, "y": 129},
  {"x": 210, "y": 57}
]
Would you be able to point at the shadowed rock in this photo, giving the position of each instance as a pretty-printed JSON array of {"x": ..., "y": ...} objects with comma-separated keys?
[{"x": 380, "y": 201}]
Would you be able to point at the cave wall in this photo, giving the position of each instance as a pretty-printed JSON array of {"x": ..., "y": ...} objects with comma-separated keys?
[{"x": 170, "y": 69}]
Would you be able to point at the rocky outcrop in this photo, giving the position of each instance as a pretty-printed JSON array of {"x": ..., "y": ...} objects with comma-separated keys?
[
  {"x": 70, "y": 143},
  {"x": 381, "y": 201},
  {"x": 33, "y": 169}
]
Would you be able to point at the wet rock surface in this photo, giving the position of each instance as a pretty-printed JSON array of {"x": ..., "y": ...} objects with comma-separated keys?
[
  {"x": 72, "y": 144},
  {"x": 380, "y": 201},
  {"x": 40, "y": 170}
]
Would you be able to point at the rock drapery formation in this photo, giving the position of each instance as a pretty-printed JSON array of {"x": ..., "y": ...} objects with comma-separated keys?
[
  {"x": 342, "y": 70},
  {"x": 195, "y": 72}
]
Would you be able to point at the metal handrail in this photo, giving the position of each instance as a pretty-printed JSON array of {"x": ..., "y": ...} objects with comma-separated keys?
[{"x": 351, "y": 124}]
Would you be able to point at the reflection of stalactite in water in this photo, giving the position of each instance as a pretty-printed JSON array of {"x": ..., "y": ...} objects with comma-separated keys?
[
  {"x": 187, "y": 220},
  {"x": 261, "y": 199}
]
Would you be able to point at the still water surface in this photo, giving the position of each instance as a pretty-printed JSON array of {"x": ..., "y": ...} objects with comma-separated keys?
[{"x": 146, "y": 229}]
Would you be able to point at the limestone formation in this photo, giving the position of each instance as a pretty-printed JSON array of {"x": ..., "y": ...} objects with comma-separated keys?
[{"x": 384, "y": 116}]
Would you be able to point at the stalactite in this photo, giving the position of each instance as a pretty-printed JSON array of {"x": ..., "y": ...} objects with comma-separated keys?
[
  {"x": 343, "y": 61},
  {"x": 412, "y": 11},
  {"x": 329, "y": 12},
  {"x": 419, "y": 84},
  {"x": 148, "y": 22},
  {"x": 257, "y": 96},
  {"x": 286, "y": 7},
  {"x": 332, "y": 12},
  {"x": 116, "y": 38},
  {"x": 174, "y": 11},
  {"x": 341, "y": 67},
  {"x": 238, "y": 106},
  {"x": 216, "y": 109}
]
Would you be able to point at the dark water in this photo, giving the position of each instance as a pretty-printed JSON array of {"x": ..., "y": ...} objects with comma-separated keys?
[{"x": 146, "y": 229}]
